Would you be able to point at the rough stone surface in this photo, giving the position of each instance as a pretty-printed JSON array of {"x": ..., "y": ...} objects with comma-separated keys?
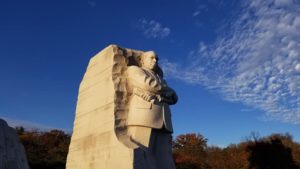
[
  {"x": 101, "y": 136},
  {"x": 12, "y": 154},
  {"x": 99, "y": 121}
]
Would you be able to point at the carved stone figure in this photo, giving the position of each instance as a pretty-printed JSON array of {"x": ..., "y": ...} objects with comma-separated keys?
[
  {"x": 123, "y": 119},
  {"x": 149, "y": 113}
]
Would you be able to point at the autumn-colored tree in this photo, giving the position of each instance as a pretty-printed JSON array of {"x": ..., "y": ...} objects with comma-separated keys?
[
  {"x": 48, "y": 150},
  {"x": 277, "y": 150},
  {"x": 45, "y": 150},
  {"x": 287, "y": 140},
  {"x": 190, "y": 151},
  {"x": 217, "y": 159},
  {"x": 232, "y": 157},
  {"x": 273, "y": 152}
]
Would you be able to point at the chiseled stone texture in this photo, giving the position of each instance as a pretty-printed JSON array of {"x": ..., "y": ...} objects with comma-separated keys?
[
  {"x": 12, "y": 154},
  {"x": 101, "y": 135},
  {"x": 97, "y": 141}
]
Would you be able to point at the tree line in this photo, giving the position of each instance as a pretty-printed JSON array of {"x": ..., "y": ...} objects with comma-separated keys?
[
  {"x": 48, "y": 150},
  {"x": 45, "y": 150},
  {"x": 277, "y": 151}
]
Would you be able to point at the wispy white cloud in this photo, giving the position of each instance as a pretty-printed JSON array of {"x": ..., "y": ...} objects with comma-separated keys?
[
  {"x": 153, "y": 29},
  {"x": 257, "y": 62},
  {"x": 200, "y": 9},
  {"x": 196, "y": 13},
  {"x": 203, "y": 8}
]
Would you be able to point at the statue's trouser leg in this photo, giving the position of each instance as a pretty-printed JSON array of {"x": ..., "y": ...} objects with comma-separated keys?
[
  {"x": 159, "y": 153},
  {"x": 162, "y": 149},
  {"x": 144, "y": 158}
]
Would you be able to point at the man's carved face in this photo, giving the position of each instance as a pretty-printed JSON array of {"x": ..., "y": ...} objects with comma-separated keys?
[{"x": 149, "y": 60}]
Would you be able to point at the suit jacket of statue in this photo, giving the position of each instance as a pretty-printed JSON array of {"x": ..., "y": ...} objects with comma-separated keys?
[{"x": 149, "y": 99}]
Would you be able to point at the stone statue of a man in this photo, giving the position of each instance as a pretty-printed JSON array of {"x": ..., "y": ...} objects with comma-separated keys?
[
  {"x": 149, "y": 117},
  {"x": 123, "y": 119}
]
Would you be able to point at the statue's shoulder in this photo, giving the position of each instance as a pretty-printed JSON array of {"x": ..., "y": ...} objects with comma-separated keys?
[{"x": 135, "y": 70}]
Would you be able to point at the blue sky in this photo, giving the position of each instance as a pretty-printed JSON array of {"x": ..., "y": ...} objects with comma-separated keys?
[{"x": 235, "y": 64}]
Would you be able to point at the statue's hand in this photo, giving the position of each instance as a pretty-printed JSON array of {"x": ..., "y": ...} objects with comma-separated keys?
[
  {"x": 149, "y": 98},
  {"x": 159, "y": 98}
]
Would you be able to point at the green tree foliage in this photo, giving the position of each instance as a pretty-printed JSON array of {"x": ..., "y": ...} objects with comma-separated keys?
[{"x": 45, "y": 150}]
